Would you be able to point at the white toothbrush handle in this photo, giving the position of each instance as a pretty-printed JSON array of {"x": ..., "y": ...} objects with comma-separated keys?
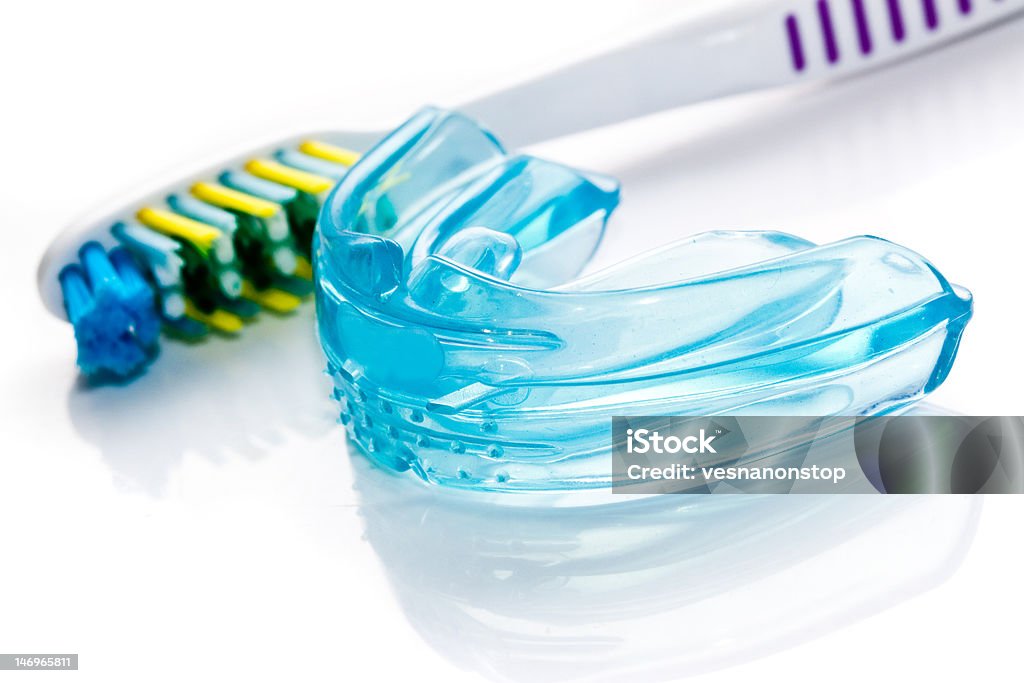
[{"x": 774, "y": 43}]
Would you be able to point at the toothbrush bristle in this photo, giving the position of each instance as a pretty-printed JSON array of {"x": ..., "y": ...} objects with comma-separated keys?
[
  {"x": 209, "y": 259},
  {"x": 137, "y": 297},
  {"x": 111, "y": 305}
]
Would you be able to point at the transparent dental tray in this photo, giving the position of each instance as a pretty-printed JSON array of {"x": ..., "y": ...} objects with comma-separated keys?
[{"x": 465, "y": 347}]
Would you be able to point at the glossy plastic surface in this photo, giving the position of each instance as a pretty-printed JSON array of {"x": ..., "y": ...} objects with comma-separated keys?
[{"x": 465, "y": 347}]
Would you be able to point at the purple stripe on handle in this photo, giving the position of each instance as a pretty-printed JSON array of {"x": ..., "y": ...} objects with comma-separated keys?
[
  {"x": 965, "y": 6},
  {"x": 796, "y": 48},
  {"x": 931, "y": 15},
  {"x": 863, "y": 30},
  {"x": 899, "y": 31},
  {"x": 831, "y": 49}
]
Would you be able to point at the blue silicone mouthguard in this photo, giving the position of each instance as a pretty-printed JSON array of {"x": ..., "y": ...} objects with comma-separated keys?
[{"x": 464, "y": 345}]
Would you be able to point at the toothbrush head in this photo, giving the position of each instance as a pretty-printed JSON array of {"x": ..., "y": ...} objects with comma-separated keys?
[{"x": 203, "y": 254}]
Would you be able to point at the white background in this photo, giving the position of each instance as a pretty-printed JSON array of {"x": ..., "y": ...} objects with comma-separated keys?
[{"x": 204, "y": 520}]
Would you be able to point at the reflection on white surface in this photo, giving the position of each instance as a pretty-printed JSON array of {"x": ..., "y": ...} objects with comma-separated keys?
[
  {"x": 657, "y": 587},
  {"x": 247, "y": 396},
  {"x": 521, "y": 589}
]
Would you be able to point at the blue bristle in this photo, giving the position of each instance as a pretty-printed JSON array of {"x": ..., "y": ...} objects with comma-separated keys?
[
  {"x": 138, "y": 297},
  {"x": 202, "y": 212},
  {"x": 98, "y": 268},
  {"x": 265, "y": 189},
  {"x": 77, "y": 297},
  {"x": 304, "y": 162},
  {"x": 111, "y": 306}
]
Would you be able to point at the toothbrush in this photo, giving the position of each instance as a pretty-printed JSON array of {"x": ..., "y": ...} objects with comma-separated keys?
[{"x": 209, "y": 251}]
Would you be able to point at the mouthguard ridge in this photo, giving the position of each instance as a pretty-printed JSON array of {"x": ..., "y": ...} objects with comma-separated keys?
[{"x": 464, "y": 345}]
